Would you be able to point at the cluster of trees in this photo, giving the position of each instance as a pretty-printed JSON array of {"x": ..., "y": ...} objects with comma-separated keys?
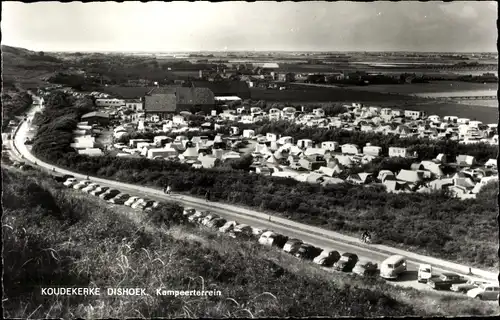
[
  {"x": 428, "y": 222},
  {"x": 76, "y": 81},
  {"x": 14, "y": 103}
]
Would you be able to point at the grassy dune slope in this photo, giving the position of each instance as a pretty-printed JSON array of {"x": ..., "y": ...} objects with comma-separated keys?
[{"x": 54, "y": 236}]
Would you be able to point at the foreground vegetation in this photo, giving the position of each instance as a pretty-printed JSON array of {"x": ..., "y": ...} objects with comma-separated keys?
[
  {"x": 432, "y": 224},
  {"x": 58, "y": 237}
]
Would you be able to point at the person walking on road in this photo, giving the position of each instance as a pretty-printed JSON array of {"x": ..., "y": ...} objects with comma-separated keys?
[
  {"x": 168, "y": 189},
  {"x": 207, "y": 196}
]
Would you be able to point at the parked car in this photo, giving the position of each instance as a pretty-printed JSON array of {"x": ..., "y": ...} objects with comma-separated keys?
[
  {"x": 346, "y": 262},
  {"x": 424, "y": 273},
  {"x": 270, "y": 238},
  {"x": 292, "y": 246},
  {"x": 257, "y": 232},
  {"x": 228, "y": 226},
  {"x": 98, "y": 191},
  {"x": 90, "y": 187},
  {"x": 82, "y": 184},
  {"x": 487, "y": 291},
  {"x": 209, "y": 216},
  {"x": 469, "y": 285},
  {"x": 327, "y": 258},
  {"x": 111, "y": 193},
  {"x": 392, "y": 267},
  {"x": 216, "y": 223},
  {"x": 242, "y": 231},
  {"x": 188, "y": 211},
  {"x": 131, "y": 201},
  {"x": 147, "y": 204},
  {"x": 365, "y": 268},
  {"x": 120, "y": 198},
  {"x": 70, "y": 182},
  {"x": 139, "y": 201},
  {"x": 308, "y": 252},
  {"x": 195, "y": 217},
  {"x": 445, "y": 281}
]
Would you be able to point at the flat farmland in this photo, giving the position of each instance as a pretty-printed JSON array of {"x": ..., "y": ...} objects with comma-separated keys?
[
  {"x": 319, "y": 94},
  {"x": 126, "y": 92},
  {"x": 432, "y": 87},
  {"x": 181, "y": 74}
]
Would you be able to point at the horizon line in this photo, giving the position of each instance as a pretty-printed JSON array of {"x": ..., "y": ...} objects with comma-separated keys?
[{"x": 249, "y": 50}]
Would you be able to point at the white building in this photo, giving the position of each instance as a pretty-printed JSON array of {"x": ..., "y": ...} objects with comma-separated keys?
[
  {"x": 330, "y": 145},
  {"x": 304, "y": 143},
  {"x": 285, "y": 140},
  {"x": 398, "y": 152},
  {"x": 135, "y": 105},
  {"x": 110, "y": 102},
  {"x": 350, "y": 149},
  {"x": 412, "y": 114},
  {"x": 372, "y": 150},
  {"x": 248, "y": 133},
  {"x": 179, "y": 120}
]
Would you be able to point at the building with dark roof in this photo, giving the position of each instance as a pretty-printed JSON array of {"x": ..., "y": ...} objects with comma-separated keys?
[
  {"x": 160, "y": 104},
  {"x": 225, "y": 88},
  {"x": 195, "y": 99}
]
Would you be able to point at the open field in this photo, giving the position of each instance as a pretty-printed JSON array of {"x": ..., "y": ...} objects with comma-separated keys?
[
  {"x": 298, "y": 93},
  {"x": 126, "y": 92},
  {"x": 432, "y": 87}
]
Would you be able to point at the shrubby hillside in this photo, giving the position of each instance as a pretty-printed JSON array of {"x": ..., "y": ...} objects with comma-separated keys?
[
  {"x": 53, "y": 236},
  {"x": 432, "y": 224}
]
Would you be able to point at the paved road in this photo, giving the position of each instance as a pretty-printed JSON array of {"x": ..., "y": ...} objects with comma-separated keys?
[{"x": 306, "y": 235}]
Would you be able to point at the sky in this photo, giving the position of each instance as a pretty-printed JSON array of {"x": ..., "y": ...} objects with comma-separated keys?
[{"x": 458, "y": 26}]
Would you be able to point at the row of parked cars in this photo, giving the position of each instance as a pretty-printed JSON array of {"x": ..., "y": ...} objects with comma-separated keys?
[
  {"x": 391, "y": 268},
  {"x": 113, "y": 196},
  {"x": 346, "y": 262}
]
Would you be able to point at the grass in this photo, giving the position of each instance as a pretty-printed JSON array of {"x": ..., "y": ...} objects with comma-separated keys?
[
  {"x": 57, "y": 236},
  {"x": 433, "y": 86},
  {"x": 298, "y": 93}
]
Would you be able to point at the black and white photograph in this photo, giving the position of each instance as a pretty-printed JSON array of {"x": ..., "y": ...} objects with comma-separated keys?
[{"x": 257, "y": 159}]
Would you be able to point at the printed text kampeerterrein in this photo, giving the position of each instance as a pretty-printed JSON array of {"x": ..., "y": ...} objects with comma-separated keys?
[{"x": 176, "y": 293}]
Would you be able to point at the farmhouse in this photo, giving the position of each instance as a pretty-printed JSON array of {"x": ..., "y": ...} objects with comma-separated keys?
[
  {"x": 190, "y": 99},
  {"x": 160, "y": 105}
]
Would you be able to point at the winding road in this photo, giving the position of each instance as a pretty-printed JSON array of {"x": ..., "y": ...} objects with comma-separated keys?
[{"x": 319, "y": 237}]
